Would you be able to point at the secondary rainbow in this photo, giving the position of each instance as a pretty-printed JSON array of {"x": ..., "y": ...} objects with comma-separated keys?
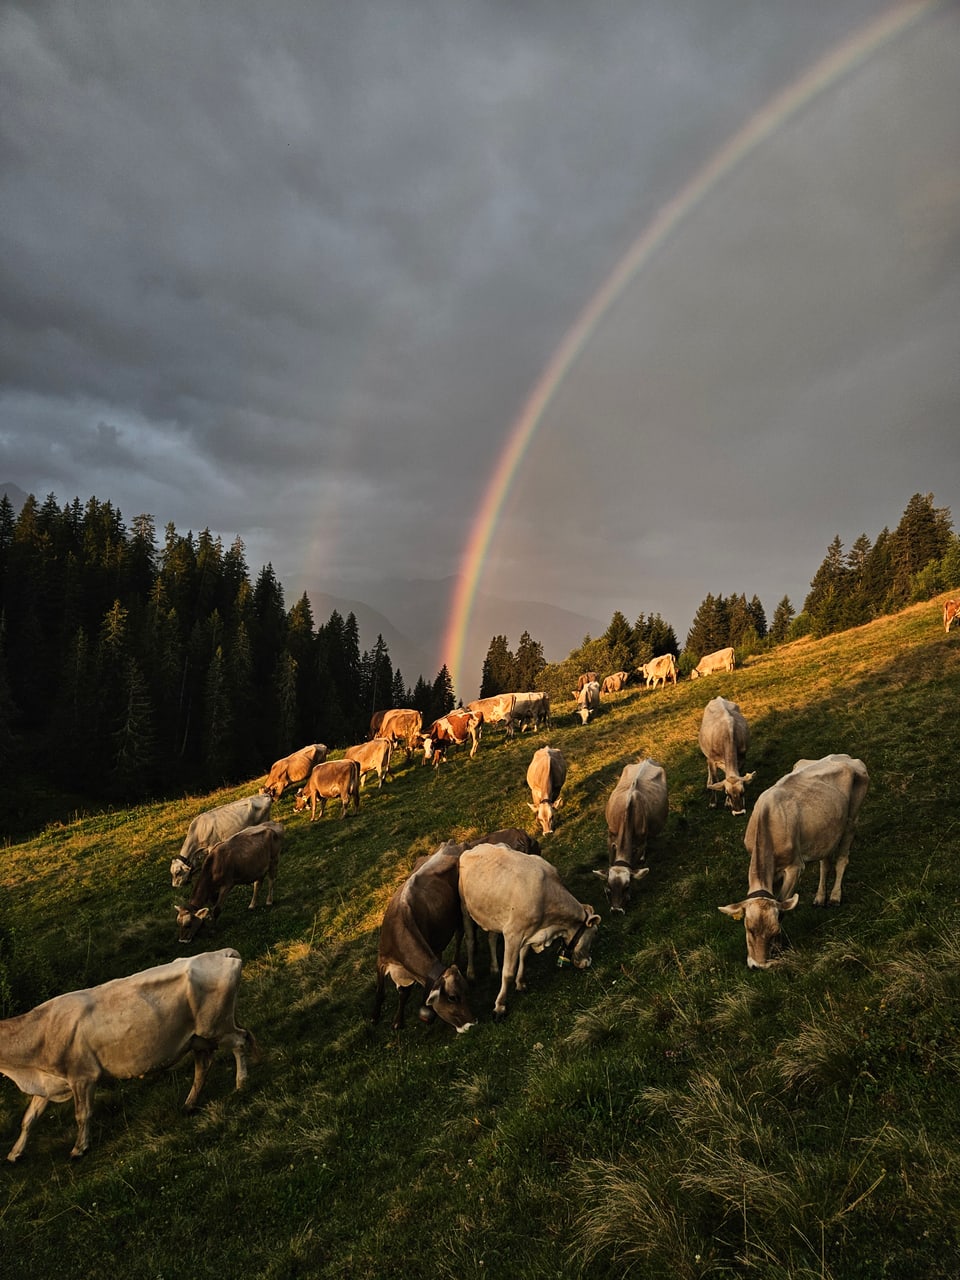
[{"x": 844, "y": 58}]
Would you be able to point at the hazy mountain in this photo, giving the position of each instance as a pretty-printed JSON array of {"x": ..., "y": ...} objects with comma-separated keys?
[
  {"x": 15, "y": 494},
  {"x": 418, "y": 612}
]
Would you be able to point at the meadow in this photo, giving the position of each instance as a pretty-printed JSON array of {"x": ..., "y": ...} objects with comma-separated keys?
[{"x": 665, "y": 1113}]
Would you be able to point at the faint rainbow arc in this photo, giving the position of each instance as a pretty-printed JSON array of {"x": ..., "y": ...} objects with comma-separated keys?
[{"x": 842, "y": 59}]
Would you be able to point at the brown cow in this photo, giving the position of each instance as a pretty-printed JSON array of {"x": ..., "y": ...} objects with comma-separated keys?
[
  {"x": 402, "y": 725},
  {"x": 586, "y": 677},
  {"x": 420, "y": 920},
  {"x": 372, "y": 757},
  {"x": 332, "y": 778},
  {"x": 636, "y": 809},
  {"x": 123, "y": 1029},
  {"x": 950, "y": 610},
  {"x": 209, "y": 828},
  {"x": 452, "y": 729},
  {"x": 615, "y": 683},
  {"x": 249, "y": 857},
  {"x": 809, "y": 815},
  {"x": 546, "y": 774},
  {"x": 292, "y": 769}
]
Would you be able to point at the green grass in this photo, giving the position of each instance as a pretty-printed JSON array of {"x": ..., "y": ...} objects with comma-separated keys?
[{"x": 665, "y": 1113}]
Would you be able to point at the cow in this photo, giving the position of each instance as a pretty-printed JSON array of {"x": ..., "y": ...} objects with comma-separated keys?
[
  {"x": 249, "y": 857},
  {"x": 586, "y": 677},
  {"x": 722, "y": 660},
  {"x": 339, "y": 778},
  {"x": 588, "y": 701},
  {"x": 663, "y": 668},
  {"x": 420, "y": 920},
  {"x": 724, "y": 738},
  {"x": 522, "y": 896},
  {"x": 546, "y": 774},
  {"x": 209, "y": 828},
  {"x": 636, "y": 809},
  {"x": 123, "y": 1029},
  {"x": 292, "y": 769},
  {"x": 372, "y": 757},
  {"x": 402, "y": 725},
  {"x": 950, "y": 610},
  {"x": 455, "y": 727},
  {"x": 616, "y": 682},
  {"x": 809, "y": 815},
  {"x": 497, "y": 709},
  {"x": 531, "y": 709}
]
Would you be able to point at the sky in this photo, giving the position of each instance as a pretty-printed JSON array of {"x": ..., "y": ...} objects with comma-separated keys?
[{"x": 304, "y": 273}]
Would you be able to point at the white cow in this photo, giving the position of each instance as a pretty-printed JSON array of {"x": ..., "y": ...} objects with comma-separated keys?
[
  {"x": 372, "y": 757},
  {"x": 213, "y": 826},
  {"x": 588, "y": 701},
  {"x": 636, "y": 809},
  {"x": 663, "y": 669},
  {"x": 722, "y": 660},
  {"x": 546, "y": 774},
  {"x": 809, "y": 815},
  {"x": 724, "y": 738},
  {"x": 124, "y": 1028},
  {"x": 522, "y": 896}
]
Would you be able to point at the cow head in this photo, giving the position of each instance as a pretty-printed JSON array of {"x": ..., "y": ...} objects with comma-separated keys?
[
  {"x": 448, "y": 999},
  {"x": 734, "y": 787},
  {"x": 180, "y": 872},
  {"x": 189, "y": 923},
  {"x": 545, "y": 811},
  {"x": 300, "y": 802},
  {"x": 618, "y": 878},
  {"x": 760, "y": 912},
  {"x": 575, "y": 950}
]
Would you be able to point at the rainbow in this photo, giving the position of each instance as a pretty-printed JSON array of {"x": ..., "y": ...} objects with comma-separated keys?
[{"x": 841, "y": 60}]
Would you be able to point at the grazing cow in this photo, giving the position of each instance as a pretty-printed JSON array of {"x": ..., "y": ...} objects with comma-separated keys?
[
  {"x": 531, "y": 709},
  {"x": 724, "y": 738},
  {"x": 722, "y": 660},
  {"x": 339, "y": 778},
  {"x": 454, "y": 728},
  {"x": 810, "y": 815},
  {"x": 122, "y": 1029},
  {"x": 249, "y": 857},
  {"x": 522, "y": 896},
  {"x": 636, "y": 809},
  {"x": 208, "y": 829},
  {"x": 950, "y": 610},
  {"x": 546, "y": 774},
  {"x": 497, "y": 709},
  {"x": 401, "y": 725},
  {"x": 420, "y": 920},
  {"x": 372, "y": 757},
  {"x": 586, "y": 677},
  {"x": 588, "y": 701},
  {"x": 615, "y": 683},
  {"x": 293, "y": 769},
  {"x": 663, "y": 668}
]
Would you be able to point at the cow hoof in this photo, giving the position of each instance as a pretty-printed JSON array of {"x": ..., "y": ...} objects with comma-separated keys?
[{"x": 499, "y": 1015}]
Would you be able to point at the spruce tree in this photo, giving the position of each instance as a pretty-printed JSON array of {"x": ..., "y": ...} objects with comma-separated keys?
[{"x": 528, "y": 664}]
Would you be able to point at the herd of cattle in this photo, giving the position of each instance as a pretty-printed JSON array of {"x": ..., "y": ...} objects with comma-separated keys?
[{"x": 500, "y": 883}]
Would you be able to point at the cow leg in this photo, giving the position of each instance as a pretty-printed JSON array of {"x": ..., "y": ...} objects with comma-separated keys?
[
  {"x": 203, "y": 1052},
  {"x": 518, "y": 980},
  {"x": 238, "y": 1041},
  {"x": 83, "y": 1106},
  {"x": 791, "y": 875},
  {"x": 271, "y": 877},
  {"x": 402, "y": 994},
  {"x": 256, "y": 890},
  {"x": 378, "y": 998},
  {"x": 510, "y": 958},
  {"x": 470, "y": 933},
  {"x": 35, "y": 1108},
  {"x": 492, "y": 944}
]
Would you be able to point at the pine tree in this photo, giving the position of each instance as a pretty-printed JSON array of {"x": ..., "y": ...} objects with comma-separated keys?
[
  {"x": 218, "y": 725},
  {"x": 827, "y": 598},
  {"x": 528, "y": 664},
  {"x": 499, "y": 669},
  {"x": 782, "y": 617},
  {"x": 134, "y": 743},
  {"x": 922, "y": 535},
  {"x": 442, "y": 697}
]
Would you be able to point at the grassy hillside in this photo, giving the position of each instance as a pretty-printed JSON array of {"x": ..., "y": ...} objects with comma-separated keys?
[{"x": 665, "y": 1113}]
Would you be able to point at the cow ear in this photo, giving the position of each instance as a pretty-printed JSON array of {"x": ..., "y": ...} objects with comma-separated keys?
[
  {"x": 532, "y": 807},
  {"x": 203, "y": 913},
  {"x": 734, "y": 910},
  {"x": 432, "y": 998},
  {"x": 601, "y": 874},
  {"x": 640, "y": 873},
  {"x": 558, "y": 803},
  {"x": 788, "y": 903},
  {"x": 716, "y": 786},
  {"x": 749, "y": 777},
  {"x": 593, "y": 918}
]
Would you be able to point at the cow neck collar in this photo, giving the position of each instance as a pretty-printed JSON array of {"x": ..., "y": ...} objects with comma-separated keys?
[
  {"x": 622, "y": 862},
  {"x": 567, "y": 948},
  {"x": 761, "y": 893}
]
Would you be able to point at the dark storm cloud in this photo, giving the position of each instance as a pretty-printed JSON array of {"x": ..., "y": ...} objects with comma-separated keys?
[{"x": 291, "y": 271}]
